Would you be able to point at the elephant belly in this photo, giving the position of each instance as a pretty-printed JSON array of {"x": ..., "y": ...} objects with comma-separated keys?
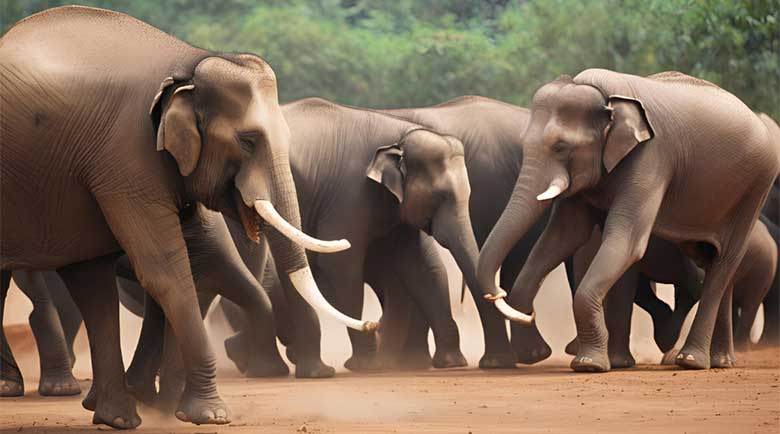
[{"x": 37, "y": 233}]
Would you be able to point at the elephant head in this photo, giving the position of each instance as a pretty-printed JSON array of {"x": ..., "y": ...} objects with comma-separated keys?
[
  {"x": 225, "y": 130},
  {"x": 576, "y": 136},
  {"x": 426, "y": 172}
]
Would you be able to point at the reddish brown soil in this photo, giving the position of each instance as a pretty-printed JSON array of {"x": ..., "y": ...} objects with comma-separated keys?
[{"x": 545, "y": 398}]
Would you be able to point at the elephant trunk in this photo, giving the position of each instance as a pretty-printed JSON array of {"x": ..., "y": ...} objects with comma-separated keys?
[
  {"x": 452, "y": 229},
  {"x": 286, "y": 239},
  {"x": 525, "y": 207}
]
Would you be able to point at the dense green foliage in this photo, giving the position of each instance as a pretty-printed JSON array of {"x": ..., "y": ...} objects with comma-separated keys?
[{"x": 384, "y": 53}]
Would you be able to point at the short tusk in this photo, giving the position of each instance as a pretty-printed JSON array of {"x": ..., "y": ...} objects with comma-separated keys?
[
  {"x": 304, "y": 283},
  {"x": 557, "y": 186},
  {"x": 267, "y": 211},
  {"x": 509, "y": 312}
]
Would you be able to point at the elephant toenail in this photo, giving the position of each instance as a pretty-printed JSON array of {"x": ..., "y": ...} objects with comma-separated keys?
[
  {"x": 690, "y": 357},
  {"x": 680, "y": 356}
]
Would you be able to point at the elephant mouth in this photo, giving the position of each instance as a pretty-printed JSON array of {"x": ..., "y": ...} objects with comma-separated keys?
[{"x": 250, "y": 220}]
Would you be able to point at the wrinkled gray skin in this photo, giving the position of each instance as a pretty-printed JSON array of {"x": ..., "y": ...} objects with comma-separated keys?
[
  {"x": 663, "y": 262},
  {"x": 491, "y": 132},
  {"x": 378, "y": 181},
  {"x": 54, "y": 320},
  {"x": 641, "y": 156},
  {"x": 220, "y": 266},
  {"x": 353, "y": 183},
  {"x": 83, "y": 180}
]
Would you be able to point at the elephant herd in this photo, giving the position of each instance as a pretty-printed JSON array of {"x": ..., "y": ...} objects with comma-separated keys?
[{"x": 124, "y": 150}]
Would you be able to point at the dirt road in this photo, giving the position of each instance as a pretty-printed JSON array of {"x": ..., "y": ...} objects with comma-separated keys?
[{"x": 545, "y": 398}]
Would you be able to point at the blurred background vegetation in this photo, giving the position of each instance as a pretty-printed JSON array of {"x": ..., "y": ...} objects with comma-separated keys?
[{"x": 392, "y": 53}]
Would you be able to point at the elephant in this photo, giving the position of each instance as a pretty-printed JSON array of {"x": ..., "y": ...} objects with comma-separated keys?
[
  {"x": 54, "y": 321},
  {"x": 84, "y": 178},
  {"x": 641, "y": 156},
  {"x": 663, "y": 262},
  {"x": 491, "y": 132},
  {"x": 379, "y": 182}
]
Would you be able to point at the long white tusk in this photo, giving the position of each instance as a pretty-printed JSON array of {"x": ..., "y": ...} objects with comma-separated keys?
[
  {"x": 267, "y": 211},
  {"x": 508, "y": 311},
  {"x": 514, "y": 315},
  {"x": 557, "y": 186},
  {"x": 304, "y": 283}
]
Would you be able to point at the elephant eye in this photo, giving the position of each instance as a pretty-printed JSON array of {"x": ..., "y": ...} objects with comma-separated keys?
[
  {"x": 248, "y": 142},
  {"x": 561, "y": 148}
]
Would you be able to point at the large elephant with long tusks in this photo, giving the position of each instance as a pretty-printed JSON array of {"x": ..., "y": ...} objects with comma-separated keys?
[{"x": 111, "y": 129}]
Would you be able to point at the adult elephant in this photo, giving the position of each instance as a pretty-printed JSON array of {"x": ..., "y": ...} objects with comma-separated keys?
[
  {"x": 378, "y": 181},
  {"x": 491, "y": 132},
  {"x": 642, "y": 155},
  {"x": 93, "y": 95}
]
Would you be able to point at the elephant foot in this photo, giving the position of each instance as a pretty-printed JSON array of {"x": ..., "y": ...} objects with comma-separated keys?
[
  {"x": 358, "y": 363},
  {"x": 621, "y": 359},
  {"x": 58, "y": 385},
  {"x": 722, "y": 359},
  {"x": 506, "y": 360},
  {"x": 449, "y": 359},
  {"x": 90, "y": 401},
  {"x": 692, "y": 359},
  {"x": 665, "y": 330},
  {"x": 590, "y": 360},
  {"x": 573, "y": 347},
  {"x": 142, "y": 389},
  {"x": 529, "y": 345},
  {"x": 315, "y": 369},
  {"x": 116, "y": 410},
  {"x": 9, "y": 388},
  {"x": 670, "y": 357},
  {"x": 272, "y": 366},
  {"x": 411, "y": 361},
  {"x": 236, "y": 352},
  {"x": 201, "y": 411}
]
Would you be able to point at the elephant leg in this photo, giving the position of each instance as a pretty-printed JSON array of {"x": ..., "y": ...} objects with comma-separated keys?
[
  {"x": 93, "y": 287},
  {"x": 403, "y": 332},
  {"x": 618, "y": 308},
  {"x": 580, "y": 262},
  {"x": 660, "y": 313},
  {"x": 173, "y": 374},
  {"x": 56, "y": 376},
  {"x": 528, "y": 345},
  {"x": 263, "y": 358},
  {"x": 70, "y": 317},
  {"x": 341, "y": 276},
  {"x": 424, "y": 279},
  {"x": 626, "y": 233},
  {"x": 151, "y": 235},
  {"x": 771, "y": 332},
  {"x": 142, "y": 372},
  {"x": 696, "y": 353},
  {"x": 11, "y": 382},
  {"x": 305, "y": 348},
  {"x": 415, "y": 352},
  {"x": 283, "y": 317},
  {"x": 722, "y": 347},
  {"x": 236, "y": 346},
  {"x": 569, "y": 228}
]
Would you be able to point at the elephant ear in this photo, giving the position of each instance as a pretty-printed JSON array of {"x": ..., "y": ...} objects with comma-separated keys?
[
  {"x": 388, "y": 168},
  {"x": 629, "y": 127},
  {"x": 177, "y": 130}
]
